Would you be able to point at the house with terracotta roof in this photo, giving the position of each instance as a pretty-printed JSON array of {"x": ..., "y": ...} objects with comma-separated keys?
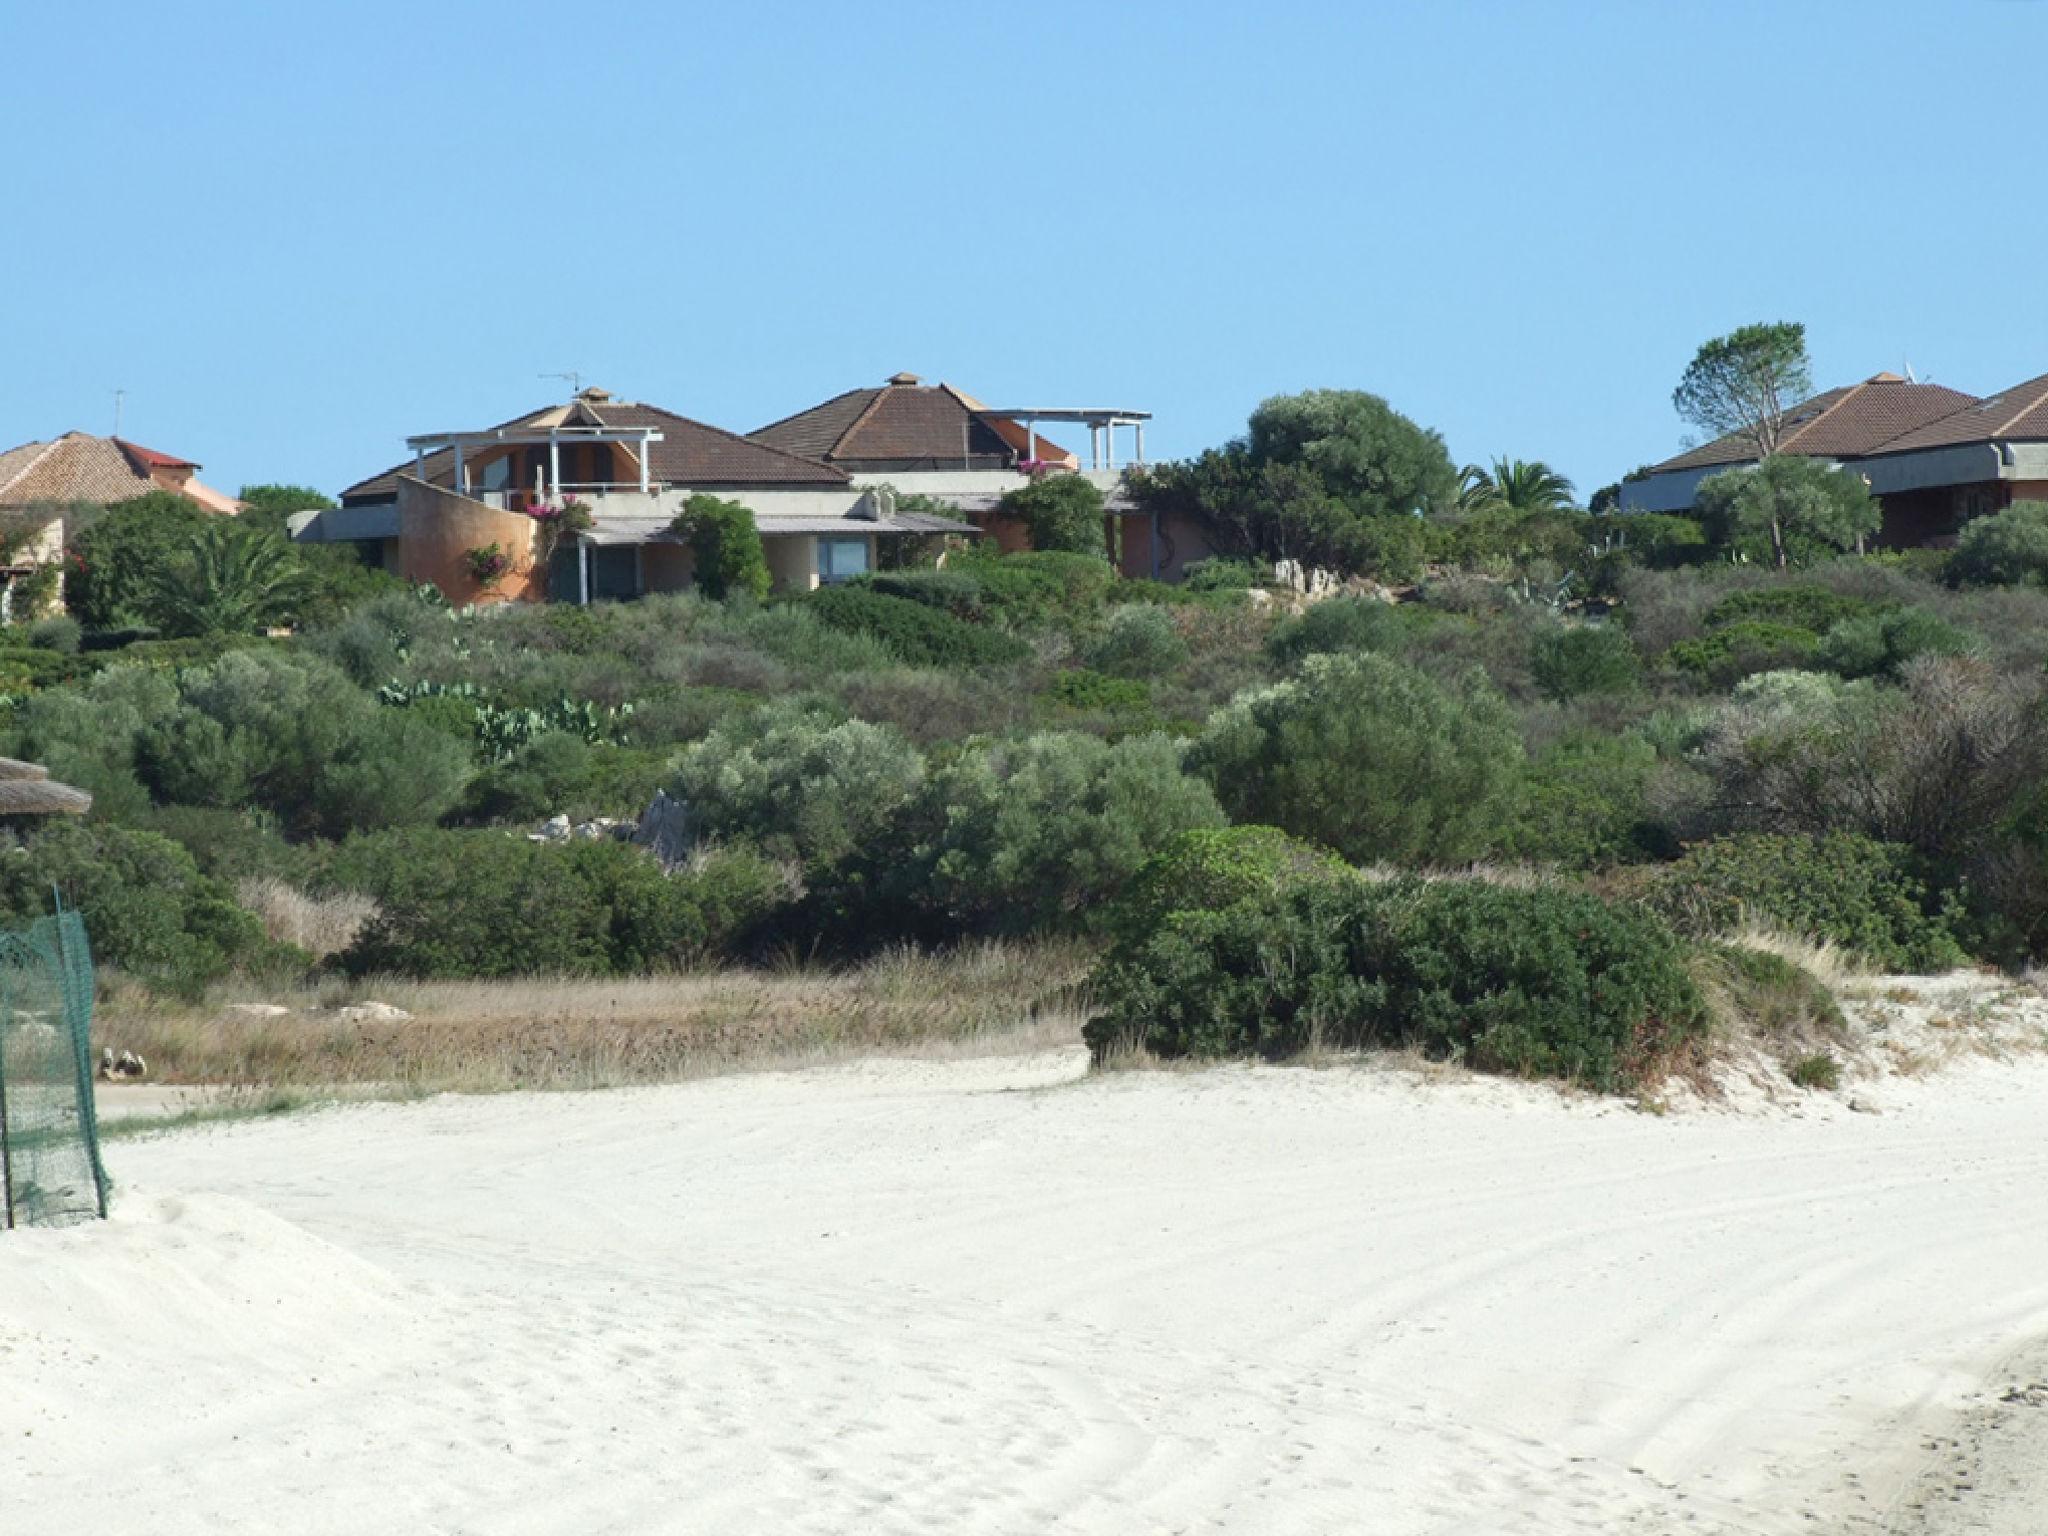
[
  {"x": 1934, "y": 457},
  {"x": 79, "y": 467},
  {"x": 633, "y": 466},
  {"x": 939, "y": 441}
]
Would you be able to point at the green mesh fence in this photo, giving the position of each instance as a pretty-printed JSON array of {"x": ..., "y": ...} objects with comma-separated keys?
[{"x": 50, "y": 1167}]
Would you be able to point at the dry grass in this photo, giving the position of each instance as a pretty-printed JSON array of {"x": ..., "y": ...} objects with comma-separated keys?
[
  {"x": 320, "y": 925},
  {"x": 568, "y": 1033}
]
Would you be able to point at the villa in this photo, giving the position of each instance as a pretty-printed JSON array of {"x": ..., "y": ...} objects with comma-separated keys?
[
  {"x": 1933, "y": 457},
  {"x": 633, "y": 466}
]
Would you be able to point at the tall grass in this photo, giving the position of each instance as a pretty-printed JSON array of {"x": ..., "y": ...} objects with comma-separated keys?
[{"x": 573, "y": 1033}]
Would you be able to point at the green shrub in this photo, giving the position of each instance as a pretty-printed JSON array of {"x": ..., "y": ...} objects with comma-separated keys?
[
  {"x": 1369, "y": 757},
  {"x": 485, "y": 904},
  {"x": 1137, "y": 641},
  {"x": 1079, "y": 688},
  {"x": 1041, "y": 834},
  {"x": 114, "y": 562},
  {"x": 1027, "y": 590},
  {"x": 1819, "y": 1071},
  {"x": 797, "y": 783},
  {"x": 1064, "y": 512},
  {"x": 958, "y": 592},
  {"x": 292, "y": 735},
  {"x": 1572, "y": 661},
  {"x": 1218, "y": 574},
  {"x": 2003, "y": 549},
  {"x": 1842, "y": 888},
  {"x": 59, "y": 632},
  {"x": 1739, "y": 649},
  {"x": 231, "y": 844},
  {"x": 558, "y": 774},
  {"x": 1880, "y": 644},
  {"x": 1210, "y": 868},
  {"x": 913, "y": 633},
  {"x": 730, "y": 561},
  {"x": 1540, "y": 982},
  {"x": 1584, "y": 805},
  {"x": 1801, "y": 606},
  {"x": 1340, "y": 624},
  {"x": 147, "y": 908},
  {"x": 30, "y": 670}
]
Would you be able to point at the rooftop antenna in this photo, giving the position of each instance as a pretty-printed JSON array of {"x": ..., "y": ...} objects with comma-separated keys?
[
  {"x": 1911, "y": 376},
  {"x": 117, "y": 410},
  {"x": 575, "y": 380}
]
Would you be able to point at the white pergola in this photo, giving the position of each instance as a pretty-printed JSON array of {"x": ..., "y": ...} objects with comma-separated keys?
[
  {"x": 1101, "y": 425},
  {"x": 636, "y": 440}
]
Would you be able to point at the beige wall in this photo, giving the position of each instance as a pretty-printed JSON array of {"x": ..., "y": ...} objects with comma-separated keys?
[
  {"x": 436, "y": 530},
  {"x": 792, "y": 561}
]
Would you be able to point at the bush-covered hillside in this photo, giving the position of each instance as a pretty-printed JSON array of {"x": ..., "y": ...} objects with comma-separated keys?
[{"x": 1237, "y": 794}]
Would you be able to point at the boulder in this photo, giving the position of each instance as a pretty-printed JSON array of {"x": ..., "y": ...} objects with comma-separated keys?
[
  {"x": 372, "y": 1013},
  {"x": 255, "y": 1010}
]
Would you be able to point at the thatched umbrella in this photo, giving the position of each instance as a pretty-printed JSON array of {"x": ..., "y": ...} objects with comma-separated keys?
[{"x": 26, "y": 789}]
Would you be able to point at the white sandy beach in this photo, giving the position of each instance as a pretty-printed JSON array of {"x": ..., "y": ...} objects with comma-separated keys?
[{"x": 979, "y": 1296}]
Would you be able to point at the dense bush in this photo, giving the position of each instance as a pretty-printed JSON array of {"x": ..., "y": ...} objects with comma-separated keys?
[
  {"x": 1137, "y": 641},
  {"x": 1571, "y": 661},
  {"x": 1536, "y": 982},
  {"x": 1043, "y": 587},
  {"x": 1341, "y": 624},
  {"x": 798, "y": 784},
  {"x": 1218, "y": 574},
  {"x": 1860, "y": 894},
  {"x": 147, "y": 908},
  {"x": 294, "y": 736},
  {"x": 958, "y": 592},
  {"x": 492, "y": 904},
  {"x": 1585, "y": 803},
  {"x": 1063, "y": 512},
  {"x": 1801, "y": 605},
  {"x": 730, "y": 560},
  {"x": 1042, "y": 833},
  {"x": 1937, "y": 764},
  {"x": 1737, "y": 650},
  {"x": 2004, "y": 548},
  {"x": 1880, "y": 644},
  {"x": 1211, "y": 868},
  {"x": 1369, "y": 757},
  {"x": 115, "y": 561},
  {"x": 912, "y": 632},
  {"x": 558, "y": 774}
]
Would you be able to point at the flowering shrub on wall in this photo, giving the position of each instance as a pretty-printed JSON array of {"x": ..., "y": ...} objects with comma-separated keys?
[
  {"x": 487, "y": 565},
  {"x": 551, "y": 523}
]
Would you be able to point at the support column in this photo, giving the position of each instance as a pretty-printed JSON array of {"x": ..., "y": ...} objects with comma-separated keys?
[
  {"x": 1139, "y": 428},
  {"x": 1108, "y": 445},
  {"x": 583, "y": 572},
  {"x": 461, "y": 486},
  {"x": 646, "y": 450},
  {"x": 554, "y": 464},
  {"x": 1031, "y": 439}
]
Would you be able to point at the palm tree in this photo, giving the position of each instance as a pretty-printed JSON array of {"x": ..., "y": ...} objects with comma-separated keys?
[
  {"x": 233, "y": 580},
  {"x": 1513, "y": 485}
]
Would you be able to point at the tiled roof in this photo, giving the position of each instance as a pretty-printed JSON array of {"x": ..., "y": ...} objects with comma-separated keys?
[
  {"x": 2017, "y": 413},
  {"x": 80, "y": 467},
  {"x": 690, "y": 452},
  {"x": 899, "y": 423},
  {"x": 1841, "y": 423}
]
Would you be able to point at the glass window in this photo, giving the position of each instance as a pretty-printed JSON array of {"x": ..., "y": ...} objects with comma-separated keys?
[
  {"x": 840, "y": 558},
  {"x": 615, "y": 571}
]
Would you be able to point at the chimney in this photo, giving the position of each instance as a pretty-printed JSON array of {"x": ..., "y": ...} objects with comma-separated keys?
[
  {"x": 594, "y": 395},
  {"x": 904, "y": 380}
]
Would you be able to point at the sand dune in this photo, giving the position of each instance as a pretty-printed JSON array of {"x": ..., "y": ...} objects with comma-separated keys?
[{"x": 974, "y": 1296}]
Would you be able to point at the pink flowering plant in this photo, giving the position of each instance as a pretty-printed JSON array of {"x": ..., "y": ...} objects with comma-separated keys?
[
  {"x": 554, "y": 521},
  {"x": 487, "y": 565}
]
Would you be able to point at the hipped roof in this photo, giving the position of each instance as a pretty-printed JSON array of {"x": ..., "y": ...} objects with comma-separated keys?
[{"x": 690, "y": 453}]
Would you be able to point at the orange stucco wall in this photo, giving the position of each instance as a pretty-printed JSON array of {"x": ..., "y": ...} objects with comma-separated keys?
[{"x": 437, "y": 529}]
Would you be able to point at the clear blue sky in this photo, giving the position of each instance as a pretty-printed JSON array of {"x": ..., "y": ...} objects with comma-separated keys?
[{"x": 297, "y": 232}]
